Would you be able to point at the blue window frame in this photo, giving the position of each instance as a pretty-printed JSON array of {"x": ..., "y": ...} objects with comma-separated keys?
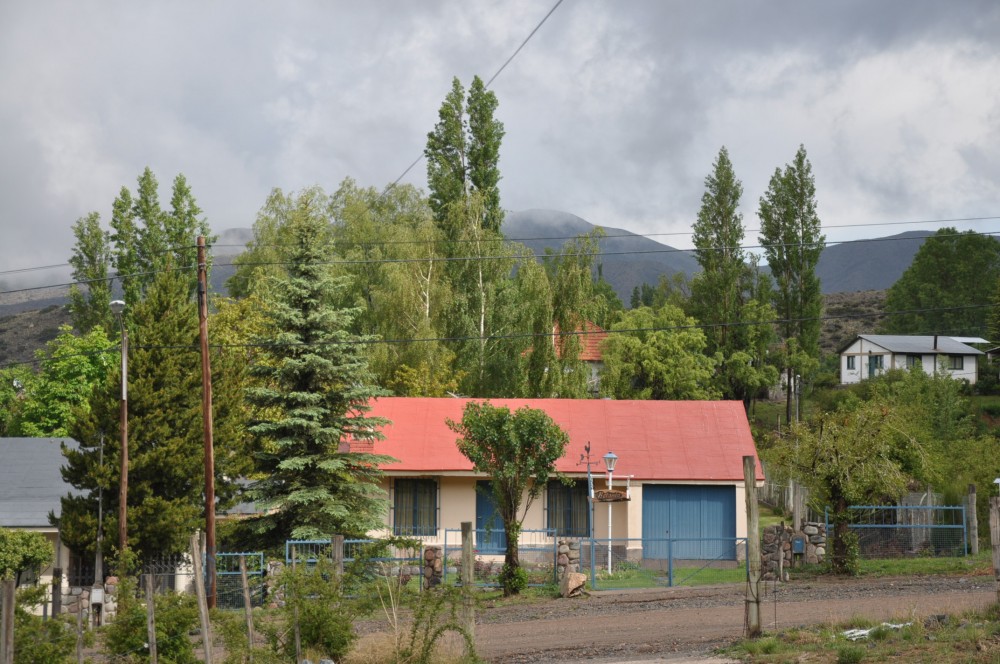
[
  {"x": 567, "y": 508},
  {"x": 415, "y": 507}
]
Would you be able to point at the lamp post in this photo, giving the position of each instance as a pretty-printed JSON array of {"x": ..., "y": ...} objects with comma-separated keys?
[
  {"x": 610, "y": 459},
  {"x": 118, "y": 308}
]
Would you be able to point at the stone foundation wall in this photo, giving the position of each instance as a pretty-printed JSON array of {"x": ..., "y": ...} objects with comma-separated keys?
[
  {"x": 776, "y": 548},
  {"x": 76, "y": 599}
]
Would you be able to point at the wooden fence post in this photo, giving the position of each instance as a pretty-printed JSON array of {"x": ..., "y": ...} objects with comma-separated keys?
[
  {"x": 337, "y": 553},
  {"x": 199, "y": 587},
  {"x": 995, "y": 540},
  {"x": 752, "y": 614},
  {"x": 468, "y": 580},
  {"x": 8, "y": 594},
  {"x": 295, "y": 613},
  {"x": 247, "y": 607},
  {"x": 151, "y": 618},
  {"x": 973, "y": 520}
]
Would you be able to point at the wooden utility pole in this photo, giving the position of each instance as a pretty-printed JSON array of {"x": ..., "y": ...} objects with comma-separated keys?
[
  {"x": 973, "y": 520},
  {"x": 206, "y": 416},
  {"x": 151, "y": 618},
  {"x": 199, "y": 587},
  {"x": 995, "y": 540},
  {"x": 468, "y": 565},
  {"x": 752, "y": 615},
  {"x": 8, "y": 588},
  {"x": 247, "y": 606}
]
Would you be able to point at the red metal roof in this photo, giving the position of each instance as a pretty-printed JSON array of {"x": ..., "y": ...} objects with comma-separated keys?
[
  {"x": 591, "y": 338},
  {"x": 654, "y": 440}
]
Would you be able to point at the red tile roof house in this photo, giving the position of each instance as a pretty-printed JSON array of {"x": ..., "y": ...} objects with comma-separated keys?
[{"x": 684, "y": 461}]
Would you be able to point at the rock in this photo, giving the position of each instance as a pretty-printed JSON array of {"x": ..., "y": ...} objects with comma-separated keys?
[
  {"x": 574, "y": 545},
  {"x": 562, "y": 560},
  {"x": 812, "y": 560},
  {"x": 820, "y": 551},
  {"x": 811, "y": 530},
  {"x": 572, "y": 584},
  {"x": 563, "y": 548}
]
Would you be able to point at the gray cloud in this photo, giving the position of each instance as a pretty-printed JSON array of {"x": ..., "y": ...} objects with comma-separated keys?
[{"x": 614, "y": 111}]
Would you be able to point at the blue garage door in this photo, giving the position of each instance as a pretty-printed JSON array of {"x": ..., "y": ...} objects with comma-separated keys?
[
  {"x": 703, "y": 517},
  {"x": 489, "y": 526}
]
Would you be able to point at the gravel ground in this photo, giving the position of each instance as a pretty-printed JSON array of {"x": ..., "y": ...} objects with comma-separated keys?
[{"x": 678, "y": 624}]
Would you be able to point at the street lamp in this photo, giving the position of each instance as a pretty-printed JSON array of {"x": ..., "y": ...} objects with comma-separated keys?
[
  {"x": 118, "y": 308},
  {"x": 610, "y": 459}
]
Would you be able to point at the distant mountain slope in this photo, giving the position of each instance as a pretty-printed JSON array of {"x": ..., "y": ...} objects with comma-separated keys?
[
  {"x": 863, "y": 265},
  {"x": 628, "y": 261}
]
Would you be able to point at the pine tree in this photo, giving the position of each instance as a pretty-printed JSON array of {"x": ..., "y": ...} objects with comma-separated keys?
[
  {"x": 89, "y": 302},
  {"x": 316, "y": 384},
  {"x": 166, "y": 452}
]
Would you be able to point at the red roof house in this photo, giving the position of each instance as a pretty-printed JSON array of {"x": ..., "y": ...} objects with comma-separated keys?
[{"x": 683, "y": 461}]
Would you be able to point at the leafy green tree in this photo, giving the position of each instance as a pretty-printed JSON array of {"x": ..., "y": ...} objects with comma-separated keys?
[
  {"x": 71, "y": 367},
  {"x": 91, "y": 258},
  {"x": 657, "y": 354},
  {"x": 858, "y": 455},
  {"x": 793, "y": 242},
  {"x": 518, "y": 451},
  {"x": 575, "y": 302},
  {"x": 22, "y": 551},
  {"x": 313, "y": 394},
  {"x": 463, "y": 154},
  {"x": 946, "y": 286},
  {"x": 721, "y": 294},
  {"x": 15, "y": 383},
  {"x": 263, "y": 256}
]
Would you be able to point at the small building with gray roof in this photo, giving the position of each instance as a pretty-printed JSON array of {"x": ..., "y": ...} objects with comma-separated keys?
[{"x": 871, "y": 355}]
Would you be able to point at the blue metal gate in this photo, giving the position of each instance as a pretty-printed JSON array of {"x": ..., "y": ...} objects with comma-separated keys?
[{"x": 700, "y": 522}]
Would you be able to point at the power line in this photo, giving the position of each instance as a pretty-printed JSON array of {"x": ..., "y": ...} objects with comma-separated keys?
[
  {"x": 632, "y": 252},
  {"x": 525, "y": 335},
  {"x": 646, "y": 235},
  {"x": 445, "y": 259},
  {"x": 488, "y": 83}
]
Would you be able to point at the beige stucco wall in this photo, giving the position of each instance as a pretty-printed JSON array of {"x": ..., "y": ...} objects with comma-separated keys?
[{"x": 457, "y": 503}]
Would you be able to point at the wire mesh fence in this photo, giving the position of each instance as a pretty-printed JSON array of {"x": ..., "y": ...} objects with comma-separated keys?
[
  {"x": 229, "y": 579},
  {"x": 537, "y": 554},
  {"x": 649, "y": 563},
  {"x": 908, "y": 530}
]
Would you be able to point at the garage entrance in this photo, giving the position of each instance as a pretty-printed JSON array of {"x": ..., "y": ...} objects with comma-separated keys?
[{"x": 690, "y": 522}]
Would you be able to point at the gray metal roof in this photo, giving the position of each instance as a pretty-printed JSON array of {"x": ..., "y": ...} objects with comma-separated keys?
[
  {"x": 913, "y": 344},
  {"x": 30, "y": 480}
]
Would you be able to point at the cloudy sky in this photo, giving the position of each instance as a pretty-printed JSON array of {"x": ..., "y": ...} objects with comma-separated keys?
[{"x": 614, "y": 111}]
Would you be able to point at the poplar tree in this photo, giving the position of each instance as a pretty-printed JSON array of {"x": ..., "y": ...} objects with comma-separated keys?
[
  {"x": 313, "y": 393},
  {"x": 722, "y": 297},
  {"x": 793, "y": 242}
]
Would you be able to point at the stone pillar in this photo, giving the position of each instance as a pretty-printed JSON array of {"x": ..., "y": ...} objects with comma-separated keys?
[{"x": 433, "y": 566}]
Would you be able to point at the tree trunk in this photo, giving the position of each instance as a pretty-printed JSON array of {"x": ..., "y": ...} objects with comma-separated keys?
[
  {"x": 511, "y": 560},
  {"x": 839, "y": 562}
]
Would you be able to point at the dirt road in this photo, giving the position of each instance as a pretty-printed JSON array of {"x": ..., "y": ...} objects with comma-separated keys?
[{"x": 667, "y": 623}]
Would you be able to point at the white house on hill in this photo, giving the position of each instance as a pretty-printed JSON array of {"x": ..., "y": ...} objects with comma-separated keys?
[{"x": 871, "y": 355}]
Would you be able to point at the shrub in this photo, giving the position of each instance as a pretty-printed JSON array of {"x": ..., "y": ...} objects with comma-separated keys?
[
  {"x": 314, "y": 600},
  {"x": 176, "y": 615},
  {"x": 37, "y": 640}
]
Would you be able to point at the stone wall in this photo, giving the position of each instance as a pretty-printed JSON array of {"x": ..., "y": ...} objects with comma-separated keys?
[
  {"x": 568, "y": 561},
  {"x": 76, "y": 599},
  {"x": 776, "y": 548},
  {"x": 433, "y": 566}
]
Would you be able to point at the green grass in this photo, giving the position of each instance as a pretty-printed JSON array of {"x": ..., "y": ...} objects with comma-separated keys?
[
  {"x": 973, "y": 636},
  {"x": 979, "y": 564},
  {"x": 684, "y": 575}
]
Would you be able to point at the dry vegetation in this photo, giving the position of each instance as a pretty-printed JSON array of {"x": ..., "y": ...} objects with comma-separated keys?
[{"x": 850, "y": 314}]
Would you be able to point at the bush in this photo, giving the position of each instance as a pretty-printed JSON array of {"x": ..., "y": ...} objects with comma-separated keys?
[
  {"x": 513, "y": 579},
  {"x": 176, "y": 615},
  {"x": 37, "y": 640},
  {"x": 314, "y": 600}
]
